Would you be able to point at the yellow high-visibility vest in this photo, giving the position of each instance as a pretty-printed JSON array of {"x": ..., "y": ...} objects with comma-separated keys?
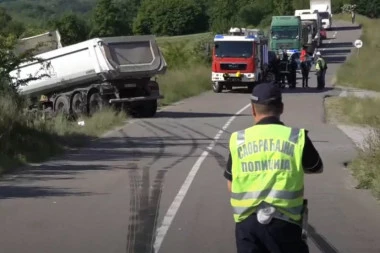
[{"x": 267, "y": 166}]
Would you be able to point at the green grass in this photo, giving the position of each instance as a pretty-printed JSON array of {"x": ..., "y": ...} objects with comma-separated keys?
[
  {"x": 353, "y": 111},
  {"x": 362, "y": 70},
  {"x": 178, "y": 84},
  {"x": 30, "y": 139},
  {"x": 361, "y": 112}
]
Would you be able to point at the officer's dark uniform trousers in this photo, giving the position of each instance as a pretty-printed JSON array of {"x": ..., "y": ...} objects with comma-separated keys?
[
  {"x": 305, "y": 74},
  {"x": 253, "y": 237}
]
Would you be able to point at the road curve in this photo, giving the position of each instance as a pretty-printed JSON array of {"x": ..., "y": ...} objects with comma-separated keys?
[{"x": 159, "y": 182}]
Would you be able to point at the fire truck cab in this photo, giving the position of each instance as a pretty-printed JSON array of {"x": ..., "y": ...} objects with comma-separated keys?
[{"x": 239, "y": 59}]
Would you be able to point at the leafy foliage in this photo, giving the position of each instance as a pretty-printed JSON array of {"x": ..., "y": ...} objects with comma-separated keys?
[{"x": 72, "y": 28}]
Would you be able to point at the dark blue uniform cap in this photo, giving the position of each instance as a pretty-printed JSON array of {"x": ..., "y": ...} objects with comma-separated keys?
[{"x": 266, "y": 93}]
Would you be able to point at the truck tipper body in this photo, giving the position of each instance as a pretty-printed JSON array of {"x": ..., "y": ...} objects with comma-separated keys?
[
  {"x": 324, "y": 9},
  {"x": 40, "y": 43},
  {"x": 239, "y": 59},
  {"x": 286, "y": 34},
  {"x": 83, "y": 77}
]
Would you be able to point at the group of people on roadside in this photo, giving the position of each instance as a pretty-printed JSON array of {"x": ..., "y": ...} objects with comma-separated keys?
[{"x": 282, "y": 63}]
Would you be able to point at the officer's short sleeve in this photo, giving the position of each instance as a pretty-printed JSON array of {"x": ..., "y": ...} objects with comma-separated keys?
[
  {"x": 228, "y": 170},
  {"x": 311, "y": 160}
]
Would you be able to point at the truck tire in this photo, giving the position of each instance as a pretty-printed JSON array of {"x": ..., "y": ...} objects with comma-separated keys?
[
  {"x": 62, "y": 105},
  {"x": 77, "y": 105},
  {"x": 95, "y": 103},
  {"x": 217, "y": 87}
]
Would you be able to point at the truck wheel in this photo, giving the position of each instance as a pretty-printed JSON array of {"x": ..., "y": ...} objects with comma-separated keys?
[
  {"x": 77, "y": 105},
  {"x": 217, "y": 87},
  {"x": 95, "y": 103},
  {"x": 62, "y": 105}
]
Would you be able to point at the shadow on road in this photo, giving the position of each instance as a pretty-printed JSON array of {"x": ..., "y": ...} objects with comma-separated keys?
[
  {"x": 346, "y": 28},
  {"x": 21, "y": 187},
  {"x": 11, "y": 192},
  {"x": 338, "y": 44},
  {"x": 335, "y": 59},
  {"x": 321, "y": 242},
  {"x": 178, "y": 115},
  {"x": 335, "y": 52},
  {"x": 305, "y": 90},
  {"x": 298, "y": 89}
]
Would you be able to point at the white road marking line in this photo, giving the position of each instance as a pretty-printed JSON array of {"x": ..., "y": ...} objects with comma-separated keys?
[{"x": 173, "y": 209}]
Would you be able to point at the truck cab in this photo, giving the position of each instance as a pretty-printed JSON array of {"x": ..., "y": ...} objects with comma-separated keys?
[
  {"x": 286, "y": 34},
  {"x": 238, "y": 59}
]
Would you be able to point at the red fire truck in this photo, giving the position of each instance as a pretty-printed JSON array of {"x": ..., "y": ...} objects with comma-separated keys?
[{"x": 239, "y": 59}]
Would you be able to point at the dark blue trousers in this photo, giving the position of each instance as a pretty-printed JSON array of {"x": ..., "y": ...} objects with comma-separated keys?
[{"x": 276, "y": 237}]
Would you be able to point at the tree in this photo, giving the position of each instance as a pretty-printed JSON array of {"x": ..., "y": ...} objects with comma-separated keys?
[
  {"x": 143, "y": 22},
  {"x": 108, "y": 20},
  {"x": 301, "y": 4},
  {"x": 9, "y": 61},
  {"x": 253, "y": 14},
  {"x": 369, "y": 8},
  {"x": 72, "y": 28},
  {"x": 223, "y": 15},
  {"x": 171, "y": 17},
  {"x": 283, "y": 7}
]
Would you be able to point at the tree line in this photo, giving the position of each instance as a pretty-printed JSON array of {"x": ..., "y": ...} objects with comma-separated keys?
[{"x": 161, "y": 17}]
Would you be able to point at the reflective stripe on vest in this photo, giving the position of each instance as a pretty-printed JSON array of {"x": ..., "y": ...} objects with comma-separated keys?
[{"x": 267, "y": 166}]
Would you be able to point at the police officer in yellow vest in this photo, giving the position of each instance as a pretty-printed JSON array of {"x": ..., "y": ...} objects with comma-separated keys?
[
  {"x": 320, "y": 67},
  {"x": 265, "y": 173}
]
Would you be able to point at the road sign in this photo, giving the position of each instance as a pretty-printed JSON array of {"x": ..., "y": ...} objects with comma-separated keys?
[{"x": 358, "y": 43}]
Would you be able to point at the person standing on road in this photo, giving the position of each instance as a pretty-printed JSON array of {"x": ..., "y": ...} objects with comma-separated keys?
[
  {"x": 292, "y": 76},
  {"x": 305, "y": 67},
  {"x": 320, "y": 67},
  {"x": 265, "y": 168}
]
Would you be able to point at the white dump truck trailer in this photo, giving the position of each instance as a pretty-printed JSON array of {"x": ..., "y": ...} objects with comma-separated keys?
[{"x": 82, "y": 78}]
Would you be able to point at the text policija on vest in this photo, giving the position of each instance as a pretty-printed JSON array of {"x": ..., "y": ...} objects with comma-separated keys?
[{"x": 266, "y": 145}]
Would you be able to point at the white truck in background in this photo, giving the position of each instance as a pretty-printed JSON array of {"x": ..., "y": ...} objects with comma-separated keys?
[
  {"x": 324, "y": 9},
  {"x": 82, "y": 78}
]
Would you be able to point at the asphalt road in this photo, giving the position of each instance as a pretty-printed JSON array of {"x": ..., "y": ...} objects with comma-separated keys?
[{"x": 165, "y": 175}]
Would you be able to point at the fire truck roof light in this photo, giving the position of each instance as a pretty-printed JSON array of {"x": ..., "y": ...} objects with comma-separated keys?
[{"x": 219, "y": 36}]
